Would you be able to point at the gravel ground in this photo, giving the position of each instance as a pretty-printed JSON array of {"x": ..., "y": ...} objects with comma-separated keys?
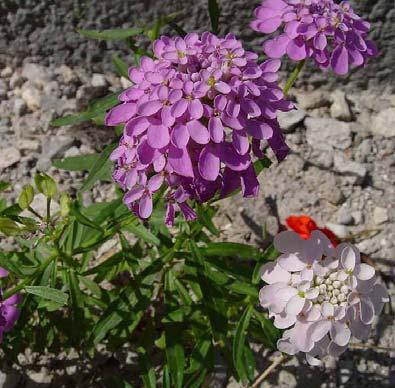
[
  {"x": 341, "y": 169},
  {"x": 44, "y": 31}
]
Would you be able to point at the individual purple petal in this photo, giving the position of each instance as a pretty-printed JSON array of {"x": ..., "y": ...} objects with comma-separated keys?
[
  {"x": 240, "y": 142},
  {"x": 134, "y": 194},
  {"x": 179, "y": 108},
  {"x": 195, "y": 109},
  {"x": 180, "y": 161},
  {"x": 296, "y": 49},
  {"x": 158, "y": 136},
  {"x": 339, "y": 60},
  {"x": 149, "y": 108},
  {"x": 180, "y": 136},
  {"x": 276, "y": 47},
  {"x": 145, "y": 206},
  {"x": 209, "y": 163},
  {"x": 198, "y": 132},
  {"x": 216, "y": 129},
  {"x": 136, "y": 126},
  {"x": 249, "y": 183},
  {"x": 155, "y": 183},
  {"x": 120, "y": 114},
  {"x": 232, "y": 159}
]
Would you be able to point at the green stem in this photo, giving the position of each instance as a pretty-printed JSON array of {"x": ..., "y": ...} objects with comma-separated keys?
[
  {"x": 293, "y": 77},
  {"x": 48, "y": 209},
  {"x": 31, "y": 210}
]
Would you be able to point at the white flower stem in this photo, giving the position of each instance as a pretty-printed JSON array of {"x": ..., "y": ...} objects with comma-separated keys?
[{"x": 277, "y": 361}]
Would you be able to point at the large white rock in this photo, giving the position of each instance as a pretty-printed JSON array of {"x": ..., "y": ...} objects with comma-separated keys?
[
  {"x": 326, "y": 134},
  {"x": 8, "y": 157},
  {"x": 383, "y": 124}
]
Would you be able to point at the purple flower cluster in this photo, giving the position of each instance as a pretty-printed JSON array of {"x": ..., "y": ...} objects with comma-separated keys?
[
  {"x": 332, "y": 34},
  {"x": 196, "y": 116},
  {"x": 322, "y": 295},
  {"x": 8, "y": 312}
]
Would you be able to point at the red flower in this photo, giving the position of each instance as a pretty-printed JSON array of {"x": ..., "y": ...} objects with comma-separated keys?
[{"x": 304, "y": 225}]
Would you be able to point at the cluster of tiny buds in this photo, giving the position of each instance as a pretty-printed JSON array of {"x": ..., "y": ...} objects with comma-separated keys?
[{"x": 331, "y": 290}]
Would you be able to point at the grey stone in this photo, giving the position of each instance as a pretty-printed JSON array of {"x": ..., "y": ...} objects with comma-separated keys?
[
  {"x": 347, "y": 166},
  {"x": 86, "y": 93},
  {"x": 6, "y": 72},
  {"x": 290, "y": 120},
  {"x": 340, "y": 109},
  {"x": 19, "y": 107},
  {"x": 340, "y": 230},
  {"x": 313, "y": 99},
  {"x": 99, "y": 80},
  {"x": 8, "y": 157},
  {"x": 32, "y": 96},
  {"x": 36, "y": 74},
  {"x": 380, "y": 215},
  {"x": 5, "y": 125},
  {"x": 27, "y": 144},
  {"x": 343, "y": 216},
  {"x": 383, "y": 124},
  {"x": 325, "y": 133},
  {"x": 3, "y": 88},
  {"x": 16, "y": 80},
  {"x": 67, "y": 74}
]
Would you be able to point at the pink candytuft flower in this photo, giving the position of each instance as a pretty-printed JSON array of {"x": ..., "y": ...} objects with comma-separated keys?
[
  {"x": 195, "y": 118},
  {"x": 8, "y": 310},
  {"x": 330, "y": 33},
  {"x": 321, "y": 294}
]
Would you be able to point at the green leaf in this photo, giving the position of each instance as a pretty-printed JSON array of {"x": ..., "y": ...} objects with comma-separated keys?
[
  {"x": 214, "y": 13},
  {"x": 99, "y": 168},
  {"x": 90, "y": 285},
  {"x": 230, "y": 249},
  {"x": 26, "y": 197},
  {"x": 120, "y": 66},
  {"x": 97, "y": 107},
  {"x": 4, "y": 185},
  {"x": 9, "y": 227},
  {"x": 48, "y": 293},
  {"x": 239, "y": 342},
  {"x": 113, "y": 34},
  {"x": 175, "y": 353},
  {"x": 205, "y": 217},
  {"x": 200, "y": 355},
  {"x": 76, "y": 163},
  {"x": 45, "y": 185},
  {"x": 139, "y": 230},
  {"x": 82, "y": 219},
  {"x": 148, "y": 372}
]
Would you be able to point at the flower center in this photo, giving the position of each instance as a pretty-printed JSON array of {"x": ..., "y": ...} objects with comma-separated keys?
[
  {"x": 331, "y": 290},
  {"x": 211, "y": 81},
  {"x": 180, "y": 54}
]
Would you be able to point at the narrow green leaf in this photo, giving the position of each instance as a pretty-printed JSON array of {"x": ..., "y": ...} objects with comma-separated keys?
[
  {"x": 214, "y": 13},
  {"x": 76, "y": 163},
  {"x": 82, "y": 219},
  {"x": 230, "y": 249},
  {"x": 175, "y": 353},
  {"x": 98, "y": 168},
  {"x": 239, "y": 342},
  {"x": 113, "y": 34},
  {"x": 205, "y": 218},
  {"x": 139, "y": 230},
  {"x": 147, "y": 371},
  {"x": 48, "y": 293},
  {"x": 121, "y": 67}
]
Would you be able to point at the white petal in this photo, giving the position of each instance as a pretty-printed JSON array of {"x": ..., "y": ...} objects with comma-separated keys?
[
  {"x": 340, "y": 333},
  {"x": 314, "y": 314},
  {"x": 335, "y": 350},
  {"x": 291, "y": 262},
  {"x": 364, "y": 271},
  {"x": 312, "y": 360},
  {"x": 273, "y": 273},
  {"x": 284, "y": 345},
  {"x": 318, "y": 329},
  {"x": 295, "y": 305},
  {"x": 267, "y": 294},
  {"x": 349, "y": 256},
  {"x": 367, "y": 311},
  {"x": 327, "y": 309},
  {"x": 312, "y": 293},
  {"x": 283, "y": 321}
]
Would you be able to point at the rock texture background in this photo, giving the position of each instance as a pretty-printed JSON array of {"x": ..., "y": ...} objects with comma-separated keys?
[
  {"x": 44, "y": 30},
  {"x": 341, "y": 169}
]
